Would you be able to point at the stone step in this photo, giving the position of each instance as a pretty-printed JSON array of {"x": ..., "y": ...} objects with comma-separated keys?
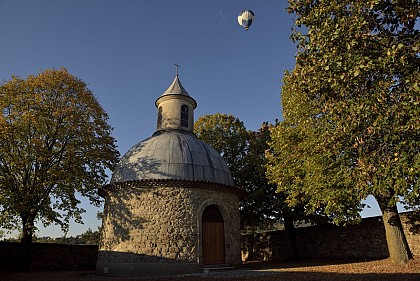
[{"x": 209, "y": 270}]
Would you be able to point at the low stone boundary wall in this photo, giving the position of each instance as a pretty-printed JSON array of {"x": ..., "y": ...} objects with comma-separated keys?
[
  {"x": 51, "y": 256},
  {"x": 362, "y": 241}
]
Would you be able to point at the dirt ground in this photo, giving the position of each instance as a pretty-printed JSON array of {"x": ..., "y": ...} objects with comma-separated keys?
[{"x": 381, "y": 270}]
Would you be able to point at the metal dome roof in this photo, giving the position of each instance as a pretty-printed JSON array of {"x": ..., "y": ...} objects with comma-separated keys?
[{"x": 173, "y": 154}]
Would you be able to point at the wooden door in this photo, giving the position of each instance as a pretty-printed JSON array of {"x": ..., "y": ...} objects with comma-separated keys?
[{"x": 213, "y": 236}]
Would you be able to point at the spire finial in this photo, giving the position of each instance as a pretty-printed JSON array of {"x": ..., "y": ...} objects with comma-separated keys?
[{"x": 177, "y": 66}]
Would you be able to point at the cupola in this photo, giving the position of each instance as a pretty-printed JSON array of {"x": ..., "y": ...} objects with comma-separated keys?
[{"x": 175, "y": 108}]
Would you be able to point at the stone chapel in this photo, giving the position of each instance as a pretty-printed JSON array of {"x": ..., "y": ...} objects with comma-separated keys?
[{"x": 172, "y": 206}]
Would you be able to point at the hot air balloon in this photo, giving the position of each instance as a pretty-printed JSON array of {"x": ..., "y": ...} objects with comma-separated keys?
[{"x": 246, "y": 18}]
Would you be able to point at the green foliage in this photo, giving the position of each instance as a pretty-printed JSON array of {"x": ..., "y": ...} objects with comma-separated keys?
[
  {"x": 54, "y": 143},
  {"x": 351, "y": 107},
  {"x": 262, "y": 207},
  {"x": 228, "y": 135},
  {"x": 313, "y": 184},
  {"x": 244, "y": 153},
  {"x": 89, "y": 237}
]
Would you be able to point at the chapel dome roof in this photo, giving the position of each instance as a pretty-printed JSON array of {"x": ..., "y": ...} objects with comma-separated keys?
[{"x": 173, "y": 154}]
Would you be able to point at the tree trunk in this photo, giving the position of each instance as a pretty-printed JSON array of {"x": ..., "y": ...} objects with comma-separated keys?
[
  {"x": 26, "y": 244},
  {"x": 289, "y": 230},
  {"x": 399, "y": 251}
]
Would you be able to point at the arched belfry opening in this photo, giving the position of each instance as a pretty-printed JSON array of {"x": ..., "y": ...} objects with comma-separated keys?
[
  {"x": 184, "y": 116},
  {"x": 213, "y": 233},
  {"x": 159, "y": 119}
]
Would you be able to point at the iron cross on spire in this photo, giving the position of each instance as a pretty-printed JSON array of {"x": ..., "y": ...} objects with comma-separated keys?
[{"x": 177, "y": 66}]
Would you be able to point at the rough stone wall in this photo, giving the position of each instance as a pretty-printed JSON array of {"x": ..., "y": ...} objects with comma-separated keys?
[
  {"x": 411, "y": 224},
  {"x": 362, "y": 241},
  {"x": 332, "y": 242},
  {"x": 365, "y": 241},
  {"x": 260, "y": 246},
  {"x": 50, "y": 256},
  {"x": 161, "y": 225}
]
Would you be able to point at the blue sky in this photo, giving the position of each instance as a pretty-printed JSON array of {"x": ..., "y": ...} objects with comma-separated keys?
[{"x": 126, "y": 50}]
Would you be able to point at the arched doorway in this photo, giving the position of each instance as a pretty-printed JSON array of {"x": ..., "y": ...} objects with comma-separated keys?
[{"x": 213, "y": 236}]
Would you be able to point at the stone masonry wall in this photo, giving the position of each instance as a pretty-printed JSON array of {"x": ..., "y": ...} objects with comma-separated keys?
[
  {"x": 161, "y": 225},
  {"x": 362, "y": 241},
  {"x": 49, "y": 256},
  {"x": 411, "y": 223}
]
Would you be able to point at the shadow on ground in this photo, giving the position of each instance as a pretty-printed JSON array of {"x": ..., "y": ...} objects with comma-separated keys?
[
  {"x": 381, "y": 270},
  {"x": 274, "y": 276}
]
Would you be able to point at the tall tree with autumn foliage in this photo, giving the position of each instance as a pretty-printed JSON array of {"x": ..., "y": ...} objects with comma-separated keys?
[
  {"x": 55, "y": 143},
  {"x": 353, "y": 99}
]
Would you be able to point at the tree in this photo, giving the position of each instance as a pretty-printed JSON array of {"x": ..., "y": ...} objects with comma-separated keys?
[
  {"x": 309, "y": 177},
  {"x": 55, "y": 143},
  {"x": 228, "y": 135},
  {"x": 357, "y": 77},
  {"x": 244, "y": 153},
  {"x": 239, "y": 148},
  {"x": 90, "y": 237},
  {"x": 265, "y": 203}
]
